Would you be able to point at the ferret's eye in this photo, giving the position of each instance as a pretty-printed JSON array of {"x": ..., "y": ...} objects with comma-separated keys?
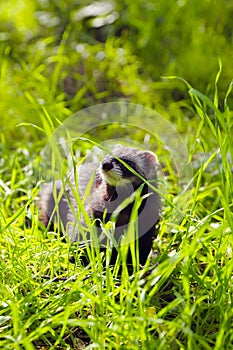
[{"x": 128, "y": 162}]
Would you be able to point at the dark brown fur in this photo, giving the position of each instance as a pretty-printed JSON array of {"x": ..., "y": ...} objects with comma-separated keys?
[{"x": 113, "y": 183}]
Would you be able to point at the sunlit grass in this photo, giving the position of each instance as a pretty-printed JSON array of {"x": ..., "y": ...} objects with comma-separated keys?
[
  {"x": 182, "y": 298},
  {"x": 184, "y": 302}
]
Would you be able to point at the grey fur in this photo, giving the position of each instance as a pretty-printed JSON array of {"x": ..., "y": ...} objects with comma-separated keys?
[{"x": 106, "y": 195}]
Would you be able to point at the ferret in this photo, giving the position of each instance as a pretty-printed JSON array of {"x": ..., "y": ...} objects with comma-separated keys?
[{"x": 126, "y": 178}]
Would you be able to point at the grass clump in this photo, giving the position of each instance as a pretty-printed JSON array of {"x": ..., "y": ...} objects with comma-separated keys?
[
  {"x": 180, "y": 299},
  {"x": 56, "y": 64}
]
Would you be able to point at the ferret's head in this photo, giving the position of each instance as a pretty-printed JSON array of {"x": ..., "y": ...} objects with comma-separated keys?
[{"x": 126, "y": 164}]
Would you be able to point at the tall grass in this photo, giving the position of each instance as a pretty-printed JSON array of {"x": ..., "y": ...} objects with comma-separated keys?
[{"x": 180, "y": 299}]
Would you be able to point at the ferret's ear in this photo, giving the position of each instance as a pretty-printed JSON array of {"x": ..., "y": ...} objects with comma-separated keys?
[{"x": 151, "y": 158}]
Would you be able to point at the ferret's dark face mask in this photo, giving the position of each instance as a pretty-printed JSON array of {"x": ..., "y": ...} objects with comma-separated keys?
[{"x": 120, "y": 171}]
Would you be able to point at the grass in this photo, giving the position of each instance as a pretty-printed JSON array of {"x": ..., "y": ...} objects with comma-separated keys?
[{"x": 182, "y": 298}]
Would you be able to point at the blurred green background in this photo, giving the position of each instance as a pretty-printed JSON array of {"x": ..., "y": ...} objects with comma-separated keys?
[
  {"x": 58, "y": 57},
  {"x": 67, "y": 55}
]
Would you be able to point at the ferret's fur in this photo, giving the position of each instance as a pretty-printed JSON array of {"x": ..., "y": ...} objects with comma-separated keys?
[{"x": 121, "y": 174}]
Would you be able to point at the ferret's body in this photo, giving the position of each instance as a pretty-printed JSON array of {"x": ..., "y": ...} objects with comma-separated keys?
[{"x": 125, "y": 174}]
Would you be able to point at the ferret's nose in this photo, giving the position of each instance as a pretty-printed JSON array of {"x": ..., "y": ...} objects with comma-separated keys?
[{"x": 107, "y": 165}]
